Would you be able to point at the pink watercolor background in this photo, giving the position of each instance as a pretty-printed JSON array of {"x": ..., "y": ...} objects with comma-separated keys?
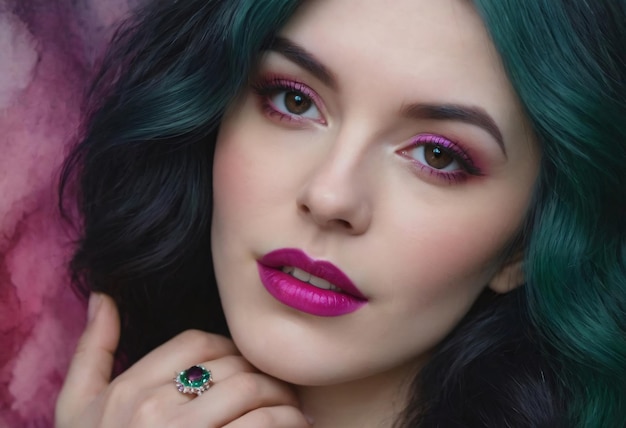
[{"x": 47, "y": 52}]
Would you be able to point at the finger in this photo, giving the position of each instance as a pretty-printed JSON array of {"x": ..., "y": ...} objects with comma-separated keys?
[
  {"x": 157, "y": 406},
  {"x": 90, "y": 369},
  {"x": 221, "y": 369},
  {"x": 272, "y": 417},
  {"x": 183, "y": 351},
  {"x": 237, "y": 395}
]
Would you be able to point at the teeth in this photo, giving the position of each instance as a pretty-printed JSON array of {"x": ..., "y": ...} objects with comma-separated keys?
[
  {"x": 311, "y": 279},
  {"x": 301, "y": 275},
  {"x": 320, "y": 283}
]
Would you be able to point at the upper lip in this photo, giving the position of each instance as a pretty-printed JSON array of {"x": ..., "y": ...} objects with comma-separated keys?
[{"x": 320, "y": 268}]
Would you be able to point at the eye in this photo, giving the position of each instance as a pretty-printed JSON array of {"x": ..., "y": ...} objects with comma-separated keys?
[
  {"x": 295, "y": 103},
  {"x": 439, "y": 158},
  {"x": 289, "y": 100},
  {"x": 435, "y": 156}
]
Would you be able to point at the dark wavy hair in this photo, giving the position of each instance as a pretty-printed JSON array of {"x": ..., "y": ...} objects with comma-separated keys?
[{"x": 550, "y": 354}]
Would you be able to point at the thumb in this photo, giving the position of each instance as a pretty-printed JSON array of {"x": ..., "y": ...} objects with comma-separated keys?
[{"x": 90, "y": 370}]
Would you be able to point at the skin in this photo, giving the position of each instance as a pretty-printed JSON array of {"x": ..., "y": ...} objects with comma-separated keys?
[
  {"x": 333, "y": 182},
  {"x": 343, "y": 181}
]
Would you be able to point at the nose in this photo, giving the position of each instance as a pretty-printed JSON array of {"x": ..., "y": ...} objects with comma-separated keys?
[{"x": 336, "y": 195}]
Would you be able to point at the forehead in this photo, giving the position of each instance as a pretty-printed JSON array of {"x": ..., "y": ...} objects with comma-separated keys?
[
  {"x": 400, "y": 28},
  {"x": 429, "y": 50}
]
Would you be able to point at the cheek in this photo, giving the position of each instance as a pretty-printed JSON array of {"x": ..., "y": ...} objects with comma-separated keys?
[
  {"x": 442, "y": 253},
  {"x": 255, "y": 176},
  {"x": 429, "y": 277},
  {"x": 231, "y": 182},
  {"x": 436, "y": 273},
  {"x": 235, "y": 178}
]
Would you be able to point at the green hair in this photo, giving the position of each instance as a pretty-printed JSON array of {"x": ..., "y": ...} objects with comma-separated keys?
[
  {"x": 142, "y": 170},
  {"x": 566, "y": 61},
  {"x": 144, "y": 177},
  {"x": 182, "y": 78}
]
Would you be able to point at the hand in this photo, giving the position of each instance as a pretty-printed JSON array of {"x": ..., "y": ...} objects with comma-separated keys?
[{"x": 146, "y": 396}]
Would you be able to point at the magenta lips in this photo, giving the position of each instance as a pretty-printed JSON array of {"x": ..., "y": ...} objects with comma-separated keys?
[{"x": 302, "y": 295}]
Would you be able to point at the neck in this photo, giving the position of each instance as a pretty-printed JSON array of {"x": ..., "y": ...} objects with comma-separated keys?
[{"x": 376, "y": 401}]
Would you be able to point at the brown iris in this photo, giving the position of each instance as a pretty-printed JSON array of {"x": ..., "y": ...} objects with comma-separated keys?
[
  {"x": 437, "y": 157},
  {"x": 297, "y": 103}
]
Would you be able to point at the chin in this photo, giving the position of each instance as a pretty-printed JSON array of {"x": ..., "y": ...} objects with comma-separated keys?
[
  {"x": 316, "y": 361},
  {"x": 289, "y": 362}
]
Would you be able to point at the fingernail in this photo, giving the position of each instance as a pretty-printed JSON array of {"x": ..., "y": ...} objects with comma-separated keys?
[{"x": 94, "y": 303}]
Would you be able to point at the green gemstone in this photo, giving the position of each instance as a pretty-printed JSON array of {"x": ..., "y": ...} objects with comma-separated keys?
[{"x": 195, "y": 377}]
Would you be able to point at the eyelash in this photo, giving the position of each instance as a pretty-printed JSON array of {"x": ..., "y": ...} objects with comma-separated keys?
[
  {"x": 267, "y": 88},
  {"x": 455, "y": 151}
]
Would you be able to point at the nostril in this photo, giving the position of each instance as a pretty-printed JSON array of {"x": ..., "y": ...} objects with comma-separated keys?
[
  {"x": 325, "y": 220},
  {"x": 343, "y": 223}
]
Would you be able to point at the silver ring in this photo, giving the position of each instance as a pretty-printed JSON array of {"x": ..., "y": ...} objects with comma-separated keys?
[{"x": 194, "y": 380}]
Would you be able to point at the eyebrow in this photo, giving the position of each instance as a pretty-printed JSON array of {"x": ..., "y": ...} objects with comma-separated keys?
[
  {"x": 472, "y": 115},
  {"x": 298, "y": 55}
]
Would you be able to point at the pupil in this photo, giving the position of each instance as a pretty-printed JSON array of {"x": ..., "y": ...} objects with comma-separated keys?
[
  {"x": 436, "y": 157},
  {"x": 297, "y": 103}
]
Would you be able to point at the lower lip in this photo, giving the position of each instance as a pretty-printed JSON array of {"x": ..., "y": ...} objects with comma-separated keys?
[{"x": 306, "y": 297}]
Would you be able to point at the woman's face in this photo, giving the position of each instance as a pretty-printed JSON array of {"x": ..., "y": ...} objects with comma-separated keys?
[{"x": 386, "y": 140}]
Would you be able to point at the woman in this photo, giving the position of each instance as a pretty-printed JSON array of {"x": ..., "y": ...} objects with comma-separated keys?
[{"x": 416, "y": 216}]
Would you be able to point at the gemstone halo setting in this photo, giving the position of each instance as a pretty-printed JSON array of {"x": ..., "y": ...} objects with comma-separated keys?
[{"x": 194, "y": 380}]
